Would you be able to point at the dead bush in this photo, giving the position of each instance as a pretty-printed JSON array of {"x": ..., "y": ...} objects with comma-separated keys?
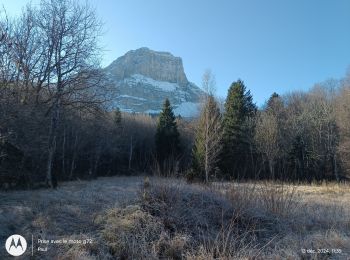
[{"x": 130, "y": 232}]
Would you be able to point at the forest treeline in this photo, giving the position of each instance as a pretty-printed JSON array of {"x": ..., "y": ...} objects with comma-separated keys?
[
  {"x": 300, "y": 136},
  {"x": 57, "y": 121}
]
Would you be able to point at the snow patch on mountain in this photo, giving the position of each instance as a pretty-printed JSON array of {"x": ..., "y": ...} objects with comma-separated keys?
[
  {"x": 187, "y": 109},
  {"x": 132, "y": 97},
  {"x": 136, "y": 79},
  {"x": 152, "y": 111},
  {"x": 127, "y": 110}
]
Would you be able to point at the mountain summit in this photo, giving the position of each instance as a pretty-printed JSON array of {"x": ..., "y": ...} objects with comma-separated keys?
[{"x": 145, "y": 78}]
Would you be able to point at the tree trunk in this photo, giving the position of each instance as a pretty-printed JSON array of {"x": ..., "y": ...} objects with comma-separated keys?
[
  {"x": 52, "y": 143},
  {"x": 335, "y": 168},
  {"x": 206, "y": 162},
  {"x": 206, "y": 159},
  {"x": 271, "y": 168},
  {"x": 53, "y": 135},
  {"x": 97, "y": 159},
  {"x": 74, "y": 156},
  {"x": 130, "y": 153},
  {"x": 64, "y": 152}
]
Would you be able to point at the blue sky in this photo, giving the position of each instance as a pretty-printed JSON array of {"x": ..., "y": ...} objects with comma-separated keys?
[{"x": 273, "y": 45}]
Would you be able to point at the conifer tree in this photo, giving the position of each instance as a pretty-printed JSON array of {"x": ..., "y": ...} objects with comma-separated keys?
[
  {"x": 275, "y": 105},
  {"x": 167, "y": 136},
  {"x": 239, "y": 107},
  {"x": 117, "y": 116}
]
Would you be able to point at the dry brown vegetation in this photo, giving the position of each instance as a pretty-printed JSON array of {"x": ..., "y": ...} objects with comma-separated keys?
[{"x": 133, "y": 218}]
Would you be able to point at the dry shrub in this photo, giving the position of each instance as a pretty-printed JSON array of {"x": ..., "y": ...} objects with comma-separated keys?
[
  {"x": 243, "y": 198},
  {"x": 209, "y": 225},
  {"x": 171, "y": 248},
  {"x": 229, "y": 243},
  {"x": 186, "y": 208},
  {"x": 41, "y": 222},
  {"x": 265, "y": 198},
  {"x": 130, "y": 232},
  {"x": 278, "y": 199},
  {"x": 88, "y": 251},
  {"x": 267, "y": 208}
]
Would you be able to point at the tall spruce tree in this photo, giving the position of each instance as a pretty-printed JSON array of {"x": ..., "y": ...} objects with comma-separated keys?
[
  {"x": 275, "y": 105},
  {"x": 167, "y": 136},
  {"x": 207, "y": 146},
  {"x": 239, "y": 108}
]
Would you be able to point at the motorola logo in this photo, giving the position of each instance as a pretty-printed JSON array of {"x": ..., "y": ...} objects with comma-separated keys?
[{"x": 16, "y": 245}]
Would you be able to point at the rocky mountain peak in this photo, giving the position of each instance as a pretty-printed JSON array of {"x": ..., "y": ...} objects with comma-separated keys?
[
  {"x": 144, "y": 78},
  {"x": 161, "y": 66}
]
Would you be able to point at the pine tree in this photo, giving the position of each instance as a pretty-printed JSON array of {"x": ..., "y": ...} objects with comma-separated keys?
[
  {"x": 117, "y": 116},
  {"x": 239, "y": 107},
  {"x": 207, "y": 146},
  {"x": 167, "y": 136},
  {"x": 275, "y": 105}
]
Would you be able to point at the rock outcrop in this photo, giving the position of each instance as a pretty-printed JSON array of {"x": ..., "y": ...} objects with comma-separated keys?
[
  {"x": 144, "y": 78},
  {"x": 161, "y": 66}
]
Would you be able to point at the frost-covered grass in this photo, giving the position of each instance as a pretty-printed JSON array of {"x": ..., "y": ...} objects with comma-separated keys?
[
  {"x": 68, "y": 212},
  {"x": 128, "y": 217}
]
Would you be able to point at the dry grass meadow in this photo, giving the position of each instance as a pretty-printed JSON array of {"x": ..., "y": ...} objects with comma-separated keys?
[{"x": 137, "y": 218}]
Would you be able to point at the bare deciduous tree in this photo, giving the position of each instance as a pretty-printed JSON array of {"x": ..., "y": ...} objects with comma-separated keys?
[
  {"x": 266, "y": 138},
  {"x": 343, "y": 122},
  {"x": 69, "y": 33},
  {"x": 209, "y": 132}
]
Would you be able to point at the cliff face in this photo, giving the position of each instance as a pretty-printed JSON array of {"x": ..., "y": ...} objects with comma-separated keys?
[
  {"x": 161, "y": 66},
  {"x": 144, "y": 78}
]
